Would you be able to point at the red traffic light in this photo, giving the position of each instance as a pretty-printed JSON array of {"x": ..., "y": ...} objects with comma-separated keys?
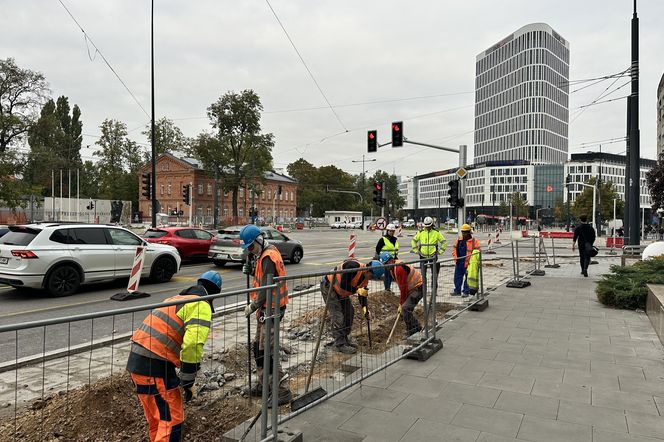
[
  {"x": 378, "y": 186},
  {"x": 396, "y": 127},
  {"x": 371, "y": 135}
]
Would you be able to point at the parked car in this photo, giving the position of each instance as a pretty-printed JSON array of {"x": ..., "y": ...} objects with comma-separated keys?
[
  {"x": 61, "y": 257},
  {"x": 189, "y": 242},
  {"x": 338, "y": 225},
  {"x": 409, "y": 223},
  {"x": 3, "y": 230},
  {"x": 227, "y": 247}
]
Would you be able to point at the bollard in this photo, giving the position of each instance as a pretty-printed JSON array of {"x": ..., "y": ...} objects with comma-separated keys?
[
  {"x": 537, "y": 253},
  {"x": 351, "y": 246},
  {"x": 490, "y": 250}
]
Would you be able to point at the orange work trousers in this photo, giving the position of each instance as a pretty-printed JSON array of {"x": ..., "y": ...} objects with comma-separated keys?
[{"x": 162, "y": 403}]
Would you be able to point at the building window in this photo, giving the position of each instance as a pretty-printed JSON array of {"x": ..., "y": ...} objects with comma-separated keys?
[
  {"x": 169, "y": 188},
  {"x": 209, "y": 211},
  {"x": 209, "y": 189},
  {"x": 161, "y": 189},
  {"x": 200, "y": 189}
]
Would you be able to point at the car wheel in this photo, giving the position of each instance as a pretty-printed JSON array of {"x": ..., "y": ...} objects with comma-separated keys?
[
  {"x": 163, "y": 270},
  {"x": 63, "y": 281},
  {"x": 296, "y": 257},
  {"x": 219, "y": 263}
]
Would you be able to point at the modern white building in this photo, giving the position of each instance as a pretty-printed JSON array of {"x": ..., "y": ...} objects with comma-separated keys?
[
  {"x": 407, "y": 192},
  {"x": 522, "y": 98},
  {"x": 584, "y": 166}
]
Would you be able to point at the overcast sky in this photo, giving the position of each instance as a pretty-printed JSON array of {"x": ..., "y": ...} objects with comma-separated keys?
[{"x": 358, "y": 51}]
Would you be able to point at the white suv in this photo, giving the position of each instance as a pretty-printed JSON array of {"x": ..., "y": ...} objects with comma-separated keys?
[{"x": 60, "y": 257}]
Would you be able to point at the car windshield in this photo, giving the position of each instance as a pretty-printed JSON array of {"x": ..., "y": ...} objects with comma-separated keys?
[
  {"x": 155, "y": 233},
  {"x": 19, "y": 236}
]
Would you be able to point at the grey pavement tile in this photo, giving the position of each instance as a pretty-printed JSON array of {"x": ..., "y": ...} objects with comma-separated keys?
[
  {"x": 509, "y": 356},
  {"x": 594, "y": 379},
  {"x": 488, "y": 437},
  {"x": 609, "y": 436},
  {"x": 477, "y": 352},
  {"x": 424, "y": 430},
  {"x": 552, "y": 374},
  {"x": 470, "y": 377},
  {"x": 469, "y": 394},
  {"x": 558, "y": 390},
  {"x": 438, "y": 409},
  {"x": 379, "y": 424},
  {"x": 416, "y": 368},
  {"x": 528, "y": 404},
  {"x": 545, "y": 430},
  {"x": 499, "y": 367},
  {"x": 544, "y": 350},
  {"x": 503, "y": 346},
  {"x": 448, "y": 359},
  {"x": 641, "y": 386},
  {"x": 591, "y": 355},
  {"x": 631, "y": 371},
  {"x": 564, "y": 362},
  {"x": 645, "y": 424},
  {"x": 518, "y": 384},
  {"x": 490, "y": 420},
  {"x": 314, "y": 433},
  {"x": 384, "y": 378},
  {"x": 622, "y": 400},
  {"x": 329, "y": 414},
  {"x": 428, "y": 387},
  {"x": 599, "y": 417},
  {"x": 378, "y": 398}
]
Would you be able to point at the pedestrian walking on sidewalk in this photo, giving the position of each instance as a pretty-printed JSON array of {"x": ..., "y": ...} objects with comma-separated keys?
[
  {"x": 339, "y": 306},
  {"x": 409, "y": 280},
  {"x": 428, "y": 243},
  {"x": 463, "y": 249},
  {"x": 388, "y": 243},
  {"x": 266, "y": 261},
  {"x": 169, "y": 338},
  {"x": 584, "y": 235}
]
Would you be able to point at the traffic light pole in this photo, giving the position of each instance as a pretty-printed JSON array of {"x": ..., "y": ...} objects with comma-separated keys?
[{"x": 191, "y": 204}]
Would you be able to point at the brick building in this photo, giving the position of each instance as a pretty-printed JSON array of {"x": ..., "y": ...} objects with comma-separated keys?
[{"x": 173, "y": 173}]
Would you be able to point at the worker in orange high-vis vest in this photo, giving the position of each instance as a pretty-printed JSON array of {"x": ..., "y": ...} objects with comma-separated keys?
[
  {"x": 461, "y": 252},
  {"x": 409, "y": 280},
  {"x": 339, "y": 306},
  {"x": 169, "y": 338},
  {"x": 267, "y": 261}
]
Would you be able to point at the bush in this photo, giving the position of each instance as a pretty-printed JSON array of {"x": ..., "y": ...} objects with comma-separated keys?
[{"x": 625, "y": 287}]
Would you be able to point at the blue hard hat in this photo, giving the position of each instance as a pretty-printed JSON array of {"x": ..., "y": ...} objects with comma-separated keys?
[
  {"x": 211, "y": 280},
  {"x": 248, "y": 235},
  {"x": 385, "y": 256},
  {"x": 377, "y": 269}
]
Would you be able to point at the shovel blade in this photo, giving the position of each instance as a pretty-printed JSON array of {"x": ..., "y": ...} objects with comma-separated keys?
[{"x": 307, "y": 398}]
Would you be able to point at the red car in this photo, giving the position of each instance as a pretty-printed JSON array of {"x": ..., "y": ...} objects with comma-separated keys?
[{"x": 190, "y": 242}]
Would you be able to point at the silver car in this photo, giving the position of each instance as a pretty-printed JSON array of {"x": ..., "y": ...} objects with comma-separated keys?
[{"x": 227, "y": 247}]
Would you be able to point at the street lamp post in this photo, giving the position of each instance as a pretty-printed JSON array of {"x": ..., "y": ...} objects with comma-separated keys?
[
  {"x": 363, "y": 185},
  {"x": 594, "y": 187}
]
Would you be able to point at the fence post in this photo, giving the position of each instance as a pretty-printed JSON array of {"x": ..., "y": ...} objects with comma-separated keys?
[
  {"x": 424, "y": 293},
  {"x": 481, "y": 303},
  {"x": 276, "y": 358},
  {"x": 537, "y": 252},
  {"x": 517, "y": 282},
  {"x": 553, "y": 254},
  {"x": 267, "y": 321}
]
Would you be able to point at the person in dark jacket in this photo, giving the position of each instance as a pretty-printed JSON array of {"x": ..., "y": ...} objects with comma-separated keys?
[{"x": 584, "y": 235}]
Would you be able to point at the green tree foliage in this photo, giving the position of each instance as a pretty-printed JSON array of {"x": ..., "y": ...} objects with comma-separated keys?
[
  {"x": 519, "y": 206},
  {"x": 22, "y": 92},
  {"x": 625, "y": 287},
  {"x": 89, "y": 180},
  {"x": 394, "y": 200},
  {"x": 119, "y": 161},
  {"x": 308, "y": 191},
  {"x": 236, "y": 150},
  {"x": 655, "y": 179},
  {"x": 55, "y": 143},
  {"x": 168, "y": 137},
  {"x": 584, "y": 202}
]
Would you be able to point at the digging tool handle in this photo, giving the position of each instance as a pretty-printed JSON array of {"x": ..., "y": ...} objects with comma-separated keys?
[
  {"x": 366, "y": 315},
  {"x": 396, "y": 321},
  {"x": 320, "y": 335},
  {"x": 248, "y": 331}
]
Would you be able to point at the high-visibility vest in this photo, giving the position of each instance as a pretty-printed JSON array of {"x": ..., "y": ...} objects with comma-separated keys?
[
  {"x": 360, "y": 280},
  {"x": 413, "y": 280},
  {"x": 473, "y": 270},
  {"x": 471, "y": 245},
  {"x": 427, "y": 241},
  {"x": 389, "y": 247},
  {"x": 162, "y": 332},
  {"x": 274, "y": 255}
]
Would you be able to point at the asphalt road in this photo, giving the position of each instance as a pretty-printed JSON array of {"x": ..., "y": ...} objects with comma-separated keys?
[{"x": 323, "y": 248}]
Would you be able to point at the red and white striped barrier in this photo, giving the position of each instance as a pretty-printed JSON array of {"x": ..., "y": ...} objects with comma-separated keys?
[
  {"x": 400, "y": 232},
  {"x": 351, "y": 246},
  {"x": 498, "y": 230},
  {"x": 135, "y": 277}
]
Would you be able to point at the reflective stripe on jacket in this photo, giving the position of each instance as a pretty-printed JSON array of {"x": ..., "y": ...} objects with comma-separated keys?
[
  {"x": 408, "y": 278},
  {"x": 175, "y": 333},
  {"x": 473, "y": 270},
  {"x": 427, "y": 240},
  {"x": 274, "y": 255},
  {"x": 472, "y": 244},
  {"x": 359, "y": 280}
]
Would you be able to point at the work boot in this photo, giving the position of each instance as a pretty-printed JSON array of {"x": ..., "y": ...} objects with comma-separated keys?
[
  {"x": 455, "y": 294},
  {"x": 351, "y": 341},
  {"x": 465, "y": 295},
  {"x": 345, "y": 349},
  {"x": 285, "y": 396},
  {"x": 256, "y": 390}
]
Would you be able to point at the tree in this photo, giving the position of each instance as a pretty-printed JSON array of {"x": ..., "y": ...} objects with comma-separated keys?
[
  {"x": 89, "y": 180},
  {"x": 583, "y": 204},
  {"x": 119, "y": 160},
  {"x": 655, "y": 180},
  {"x": 22, "y": 93},
  {"x": 307, "y": 191},
  {"x": 394, "y": 200},
  {"x": 55, "y": 142},
  {"x": 236, "y": 150},
  {"x": 169, "y": 138}
]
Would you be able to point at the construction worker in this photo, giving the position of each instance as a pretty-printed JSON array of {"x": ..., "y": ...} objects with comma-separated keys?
[
  {"x": 339, "y": 306},
  {"x": 169, "y": 338},
  {"x": 267, "y": 261},
  {"x": 428, "y": 243},
  {"x": 388, "y": 243},
  {"x": 463, "y": 249},
  {"x": 409, "y": 280}
]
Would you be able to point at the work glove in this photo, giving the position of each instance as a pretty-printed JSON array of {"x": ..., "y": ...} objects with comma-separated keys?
[
  {"x": 365, "y": 310},
  {"x": 249, "y": 309},
  {"x": 247, "y": 269},
  {"x": 188, "y": 391},
  {"x": 363, "y": 301},
  {"x": 362, "y": 292},
  {"x": 415, "y": 251}
]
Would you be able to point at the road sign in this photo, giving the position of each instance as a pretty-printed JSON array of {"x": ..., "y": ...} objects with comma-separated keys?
[
  {"x": 461, "y": 172},
  {"x": 381, "y": 223}
]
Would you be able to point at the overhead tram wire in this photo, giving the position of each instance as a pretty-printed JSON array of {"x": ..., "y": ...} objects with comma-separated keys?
[
  {"x": 306, "y": 67},
  {"x": 599, "y": 97},
  {"x": 97, "y": 51}
]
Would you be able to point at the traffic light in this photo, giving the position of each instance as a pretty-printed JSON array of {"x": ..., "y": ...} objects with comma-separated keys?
[
  {"x": 186, "y": 194},
  {"x": 90, "y": 206},
  {"x": 397, "y": 134},
  {"x": 379, "y": 193},
  {"x": 372, "y": 141},
  {"x": 147, "y": 185},
  {"x": 453, "y": 192}
]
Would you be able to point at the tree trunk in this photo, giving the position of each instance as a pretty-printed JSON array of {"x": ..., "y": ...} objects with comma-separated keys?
[{"x": 234, "y": 204}]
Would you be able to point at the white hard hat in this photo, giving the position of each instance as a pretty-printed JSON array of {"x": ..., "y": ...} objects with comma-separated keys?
[
  {"x": 390, "y": 226},
  {"x": 428, "y": 221}
]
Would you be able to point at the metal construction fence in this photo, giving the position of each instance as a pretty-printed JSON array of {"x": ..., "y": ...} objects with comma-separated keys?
[{"x": 82, "y": 389}]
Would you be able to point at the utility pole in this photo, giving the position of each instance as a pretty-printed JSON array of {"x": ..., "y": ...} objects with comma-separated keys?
[
  {"x": 152, "y": 144},
  {"x": 363, "y": 185},
  {"x": 633, "y": 181},
  {"x": 598, "y": 228}
]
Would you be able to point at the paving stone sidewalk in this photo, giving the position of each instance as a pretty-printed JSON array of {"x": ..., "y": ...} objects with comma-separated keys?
[{"x": 544, "y": 363}]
